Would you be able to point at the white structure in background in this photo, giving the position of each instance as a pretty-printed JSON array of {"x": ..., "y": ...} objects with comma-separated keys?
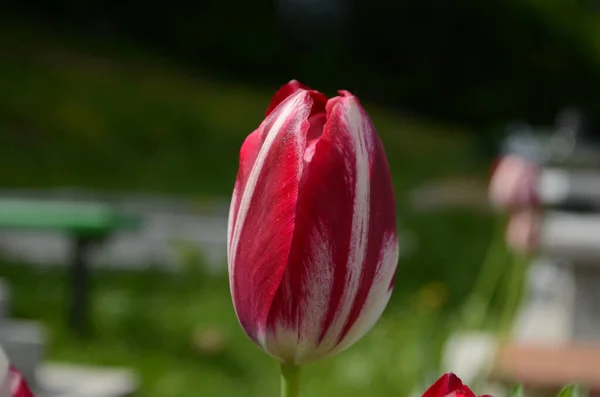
[
  {"x": 575, "y": 239},
  {"x": 23, "y": 342},
  {"x": 60, "y": 380},
  {"x": 470, "y": 354},
  {"x": 546, "y": 316},
  {"x": 166, "y": 226},
  {"x": 545, "y": 319},
  {"x": 562, "y": 301},
  {"x": 557, "y": 186},
  {"x": 567, "y": 143},
  {"x": 4, "y": 380}
]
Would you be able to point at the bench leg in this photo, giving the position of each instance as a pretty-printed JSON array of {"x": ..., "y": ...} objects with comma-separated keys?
[{"x": 78, "y": 316}]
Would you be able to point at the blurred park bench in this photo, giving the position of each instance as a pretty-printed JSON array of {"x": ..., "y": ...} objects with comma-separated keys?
[
  {"x": 86, "y": 224},
  {"x": 174, "y": 232}
]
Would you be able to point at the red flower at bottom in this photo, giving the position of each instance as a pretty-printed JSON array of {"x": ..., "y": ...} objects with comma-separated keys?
[
  {"x": 18, "y": 385},
  {"x": 449, "y": 385}
]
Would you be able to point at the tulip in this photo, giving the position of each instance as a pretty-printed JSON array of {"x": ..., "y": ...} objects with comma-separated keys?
[
  {"x": 523, "y": 232},
  {"x": 449, "y": 385},
  {"x": 312, "y": 242},
  {"x": 12, "y": 383},
  {"x": 19, "y": 386},
  {"x": 514, "y": 183}
]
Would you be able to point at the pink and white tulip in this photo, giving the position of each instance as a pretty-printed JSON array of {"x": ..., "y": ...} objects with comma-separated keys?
[
  {"x": 18, "y": 384},
  {"x": 312, "y": 242},
  {"x": 12, "y": 383},
  {"x": 523, "y": 232},
  {"x": 514, "y": 183}
]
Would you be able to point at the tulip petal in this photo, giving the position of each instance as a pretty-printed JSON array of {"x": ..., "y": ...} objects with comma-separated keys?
[
  {"x": 262, "y": 213},
  {"x": 379, "y": 268},
  {"x": 285, "y": 91},
  {"x": 344, "y": 254},
  {"x": 445, "y": 385},
  {"x": 514, "y": 183},
  {"x": 19, "y": 386},
  {"x": 248, "y": 153}
]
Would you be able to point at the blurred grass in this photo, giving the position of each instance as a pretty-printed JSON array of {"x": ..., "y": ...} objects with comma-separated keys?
[
  {"x": 147, "y": 321},
  {"x": 151, "y": 331},
  {"x": 92, "y": 117}
]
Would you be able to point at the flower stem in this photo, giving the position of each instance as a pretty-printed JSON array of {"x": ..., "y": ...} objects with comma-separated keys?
[
  {"x": 515, "y": 289},
  {"x": 290, "y": 380},
  {"x": 476, "y": 307}
]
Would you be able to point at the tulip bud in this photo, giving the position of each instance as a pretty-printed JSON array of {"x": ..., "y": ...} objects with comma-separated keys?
[
  {"x": 523, "y": 232},
  {"x": 513, "y": 183},
  {"x": 312, "y": 242},
  {"x": 449, "y": 385}
]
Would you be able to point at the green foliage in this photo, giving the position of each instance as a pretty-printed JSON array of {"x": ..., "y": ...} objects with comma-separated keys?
[
  {"x": 180, "y": 333},
  {"x": 466, "y": 61},
  {"x": 94, "y": 119},
  {"x": 76, "y": 113},
  {"x": 570, "y": 391},
  {"x": 517, "y": 392}
]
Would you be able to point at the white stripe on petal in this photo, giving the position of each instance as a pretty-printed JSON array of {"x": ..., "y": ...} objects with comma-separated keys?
[
  {"x": 379, "y": 294},
  {"x": 317, "y": 293},
  {"x": 288, "y": 107},
  {"x": 234, "y": 201},
  {"x": 358, "y": 130},
  {"x": 281, "y": 343},
  {"x": 300, "y": 345}
]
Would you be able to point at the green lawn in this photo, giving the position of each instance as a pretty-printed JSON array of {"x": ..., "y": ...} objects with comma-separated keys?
[
  {"x": 76, "y": 115},
  {"x": 147, "y": 321}
]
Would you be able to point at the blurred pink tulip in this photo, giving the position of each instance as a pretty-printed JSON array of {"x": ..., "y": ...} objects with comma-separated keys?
[
  {"x": 12, "y": 383},
  {"x": 19, "y": 387},
  {"x": 513, "y": 183},
  {"x": 523, "y": 232}
]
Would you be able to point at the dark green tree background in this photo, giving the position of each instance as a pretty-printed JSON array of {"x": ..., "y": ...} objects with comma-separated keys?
[{"x": 466, "y": 61}]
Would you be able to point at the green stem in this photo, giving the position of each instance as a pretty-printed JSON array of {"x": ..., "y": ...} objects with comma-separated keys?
[
  {"x": 515, "y": 289},
  {"x": 290, "y": 380},
  {"x": 488, "y": 278}
]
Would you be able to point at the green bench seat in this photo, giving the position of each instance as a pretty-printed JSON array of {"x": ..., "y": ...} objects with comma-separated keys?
[
  {"x": 86, "y": 224},
  {"x": 84, "y": 219}
]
